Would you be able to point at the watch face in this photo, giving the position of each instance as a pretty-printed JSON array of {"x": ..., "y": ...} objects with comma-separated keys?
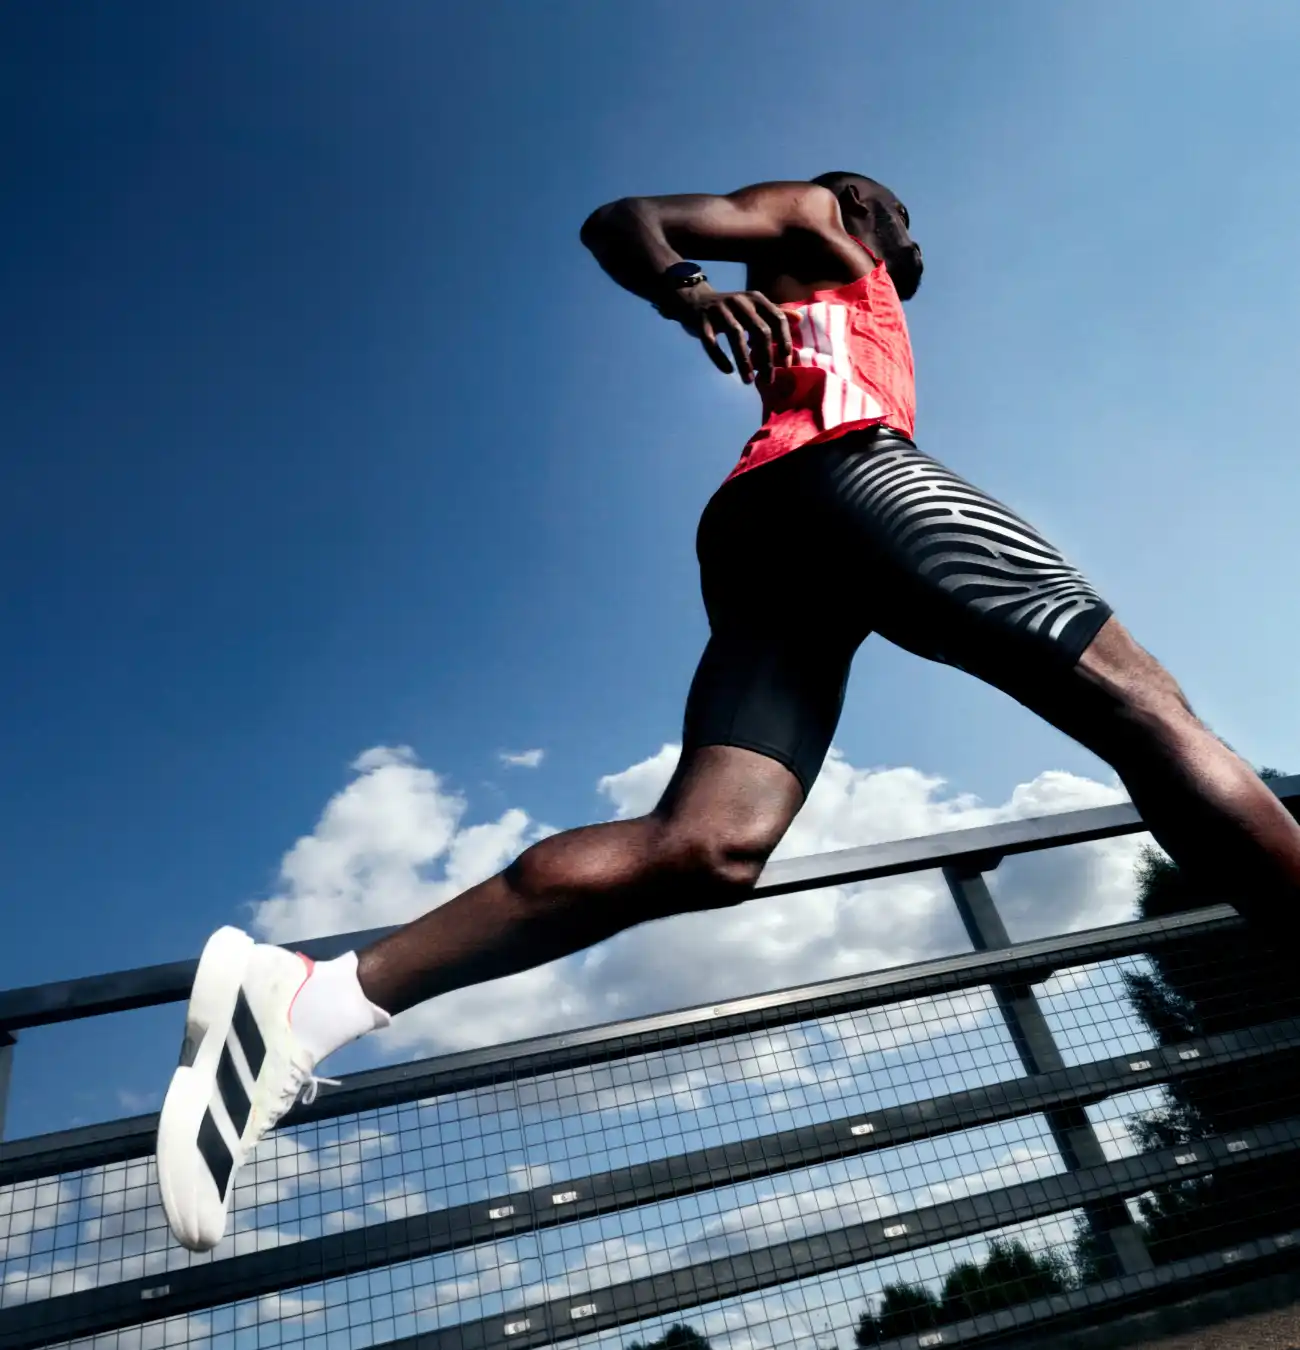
[{"x": 683, "y": 271}]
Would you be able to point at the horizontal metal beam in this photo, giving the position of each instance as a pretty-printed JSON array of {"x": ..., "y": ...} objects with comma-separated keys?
[
  {"x": 92, "y": 996},
  {"x": 116, "y": 1141},
  {"x": 112, "y": 1307},
  {"x": 49, "y": 1155},
  {"x": 40, "y": 1005},
  {"x": 1162, "y": 1284},
  {"x": 781, "y": 1263}
]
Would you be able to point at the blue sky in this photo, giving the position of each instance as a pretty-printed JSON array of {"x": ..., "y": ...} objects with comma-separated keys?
[{"x": 320, "y": 430}]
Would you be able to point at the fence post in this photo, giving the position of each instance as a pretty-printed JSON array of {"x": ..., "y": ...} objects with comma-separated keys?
[
  {"x": 1120, "y": 1239},
  {"x": 7, "y": 1043}
]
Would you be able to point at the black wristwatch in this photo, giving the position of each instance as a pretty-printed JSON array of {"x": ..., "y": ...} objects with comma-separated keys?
[{"x": 683, "y": 276}]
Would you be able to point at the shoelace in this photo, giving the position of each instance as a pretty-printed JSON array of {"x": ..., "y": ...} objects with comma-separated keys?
[
  {"x": 303, "y": 1086},
  {"x": 312, "y": 1085}
]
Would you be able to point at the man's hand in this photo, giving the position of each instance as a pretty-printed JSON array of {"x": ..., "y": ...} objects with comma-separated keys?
[
  {"x": 756, "y": 328},
  {"x": 637, "y": 239}
]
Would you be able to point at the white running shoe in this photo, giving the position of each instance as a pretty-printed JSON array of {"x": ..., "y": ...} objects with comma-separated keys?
[{"x": 242, "y": 1067}]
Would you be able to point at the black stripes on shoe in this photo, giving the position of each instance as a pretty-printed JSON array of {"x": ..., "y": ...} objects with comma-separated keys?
[
  {"x": 215, "y": 1153},
  {"x": 248, "y": 1035},
  {"x": 229, "y": 1088},
  {"x": 232, "y": 1091}
]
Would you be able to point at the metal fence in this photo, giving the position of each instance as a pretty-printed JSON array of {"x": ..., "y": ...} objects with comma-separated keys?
[{"x": 948, "y": 1153}]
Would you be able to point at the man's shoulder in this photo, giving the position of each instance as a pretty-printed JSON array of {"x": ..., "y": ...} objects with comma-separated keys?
[{"x": 797, "y": 202}]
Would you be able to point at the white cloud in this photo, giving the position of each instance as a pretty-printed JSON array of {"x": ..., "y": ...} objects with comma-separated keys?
[
  {"x": 137, "y": 1103},
  {"x": 635, "y": 791},
  {"x": 367, "y": 862},
  {"x": 525, "y": 759},
  {"x": 393, "y": 844},
  {"x": 280, "y": 1310},
  {"x": 1017, "y": 1164}
]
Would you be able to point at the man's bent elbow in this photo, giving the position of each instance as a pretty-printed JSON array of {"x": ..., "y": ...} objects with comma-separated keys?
[{"x": 606, "y": 220}]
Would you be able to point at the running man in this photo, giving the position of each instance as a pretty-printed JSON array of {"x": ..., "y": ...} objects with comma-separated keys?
[{"x": 832, "y": 526}]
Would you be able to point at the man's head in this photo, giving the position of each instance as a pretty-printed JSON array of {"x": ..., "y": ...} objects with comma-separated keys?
[{"x": 875, "y": 217}]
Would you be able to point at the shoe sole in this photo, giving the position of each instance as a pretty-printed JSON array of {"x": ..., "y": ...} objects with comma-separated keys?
[{"x": 207, "y": 1022}]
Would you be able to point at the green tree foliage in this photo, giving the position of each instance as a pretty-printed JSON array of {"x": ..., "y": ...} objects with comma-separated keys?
[
  {"x": 1092, "y": 1258},
  {"x": 1009, "y": 1274},
  {"x": 904, "y": 1308},
  {"x": 1204, "y": 987},
  {"x": 677, "y": 1337}
]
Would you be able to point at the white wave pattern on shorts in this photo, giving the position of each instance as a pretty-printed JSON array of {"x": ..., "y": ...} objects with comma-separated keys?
[{"x": 967, "y": 544}]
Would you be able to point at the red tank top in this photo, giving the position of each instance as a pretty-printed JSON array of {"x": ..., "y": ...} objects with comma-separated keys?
[{"x": 851, "y": 368}]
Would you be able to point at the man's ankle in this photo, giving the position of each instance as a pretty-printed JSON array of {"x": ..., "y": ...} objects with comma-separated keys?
[{"x": 330, "y": 1009}]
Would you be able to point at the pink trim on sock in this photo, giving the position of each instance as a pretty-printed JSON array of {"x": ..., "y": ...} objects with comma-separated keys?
[{"x": 311, "y": 965}]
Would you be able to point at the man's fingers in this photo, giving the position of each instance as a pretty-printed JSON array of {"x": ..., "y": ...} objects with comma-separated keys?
[
  {"x": 739, "y": 343},
  {"x": 756, "y": 330},
  {"x": 778, "y": 321},
  {"x": 709, "y": 341},
  {"x": 760, "y": 336}
]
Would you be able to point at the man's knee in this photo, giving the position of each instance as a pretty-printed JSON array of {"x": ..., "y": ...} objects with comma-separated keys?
[
  {"x": 717, "y": 824},
  {"x": 710, "y": 867},
  {"x": 654, "y": 866}
]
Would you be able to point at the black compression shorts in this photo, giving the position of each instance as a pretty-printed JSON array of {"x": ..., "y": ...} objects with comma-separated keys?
[{"x": 802, "y": 558}]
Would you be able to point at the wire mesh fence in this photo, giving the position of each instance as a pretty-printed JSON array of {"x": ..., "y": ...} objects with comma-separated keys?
[
  {"x": 938, "y": 1155},
  {"x": 725, "y": 1127}
]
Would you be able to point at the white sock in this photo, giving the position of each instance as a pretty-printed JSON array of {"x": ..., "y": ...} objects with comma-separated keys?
[{"x": 330, "y": 1010}]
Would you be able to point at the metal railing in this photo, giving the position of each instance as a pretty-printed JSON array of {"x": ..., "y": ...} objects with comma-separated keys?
[{"x": 1031, "y": 1080}]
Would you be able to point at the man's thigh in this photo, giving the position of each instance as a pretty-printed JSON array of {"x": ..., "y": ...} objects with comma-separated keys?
[
  {"x": 774, "y": 693},
  {"x": 963, "y": 579}
]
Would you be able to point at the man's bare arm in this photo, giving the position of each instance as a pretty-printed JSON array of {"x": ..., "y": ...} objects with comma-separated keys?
[{"x": 637, "y": 238}]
